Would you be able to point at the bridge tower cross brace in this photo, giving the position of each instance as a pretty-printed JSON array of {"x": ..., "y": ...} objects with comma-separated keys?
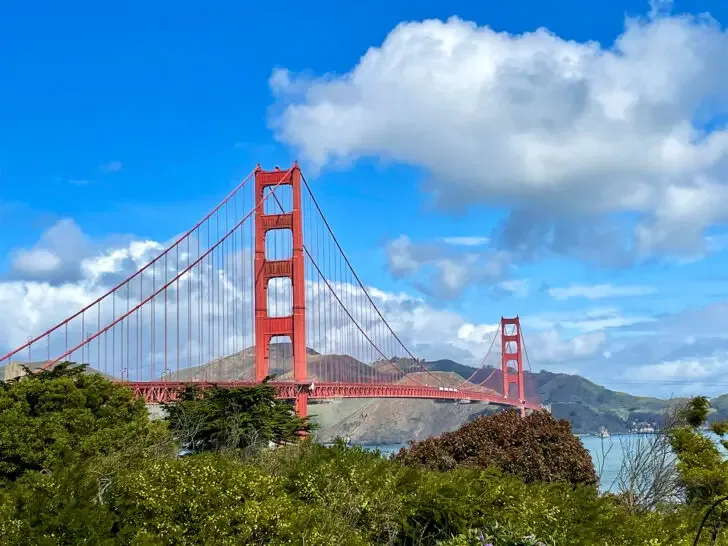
[
  {"x": 512, "y": 357},
  {"x": 292, "y": 326}
]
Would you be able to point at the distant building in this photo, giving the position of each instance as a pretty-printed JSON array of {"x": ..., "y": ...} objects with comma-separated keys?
[{"x": 643, "y": 428}]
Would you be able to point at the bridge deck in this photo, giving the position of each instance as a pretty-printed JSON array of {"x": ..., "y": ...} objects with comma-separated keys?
[{"x": 166, "y": 391}]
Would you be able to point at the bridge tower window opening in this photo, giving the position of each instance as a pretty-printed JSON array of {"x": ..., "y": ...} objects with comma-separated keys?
[
  {"x": 278, "y": 200},
  {"x": 280, "y": 297},
  {"x": 280, "y": 358},
  {"x": 278, "y": 244}
]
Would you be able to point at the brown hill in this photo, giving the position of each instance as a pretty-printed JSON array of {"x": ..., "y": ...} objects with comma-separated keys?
[
  {"x": 241, "y": 365},
  {"x": 338, "y": 368}
]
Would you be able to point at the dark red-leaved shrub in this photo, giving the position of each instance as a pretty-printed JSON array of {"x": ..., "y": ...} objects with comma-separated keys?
[{"x": 536, "y": 447}]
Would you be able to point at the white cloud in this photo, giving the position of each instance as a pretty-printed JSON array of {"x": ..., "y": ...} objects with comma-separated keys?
[
  {"x": 452, "y": 267},
  {"x": 517, "y": 287},
  {"x": 438, "y": 333},
  {"x": 28, "y": 308},
  {"x": 599, "y": 291},
  {"x": 454, "y": 275},
  {"x": 36, "y": 261},
  {"x": 60, "y": 254},
  {"x": 689, "y": 376},
  {"x": 680, "y": 354},
  {"x": 585, "y": 321},
  {"x": 564, "y": 126},
  {"x": 686, "y": 369},
  {"x": 473, "y": 240},
  {"x": 115, "y": 260},
  {"x": 402, "y": 260},
  {"x": 549, "y": 347},
  {"x": 56, "y": 257}
]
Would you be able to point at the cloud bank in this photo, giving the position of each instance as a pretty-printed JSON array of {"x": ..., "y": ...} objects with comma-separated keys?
[{"x": 572, "y": 130}]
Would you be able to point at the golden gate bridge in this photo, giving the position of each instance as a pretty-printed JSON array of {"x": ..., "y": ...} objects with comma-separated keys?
[{"x": 261, "y": 289}]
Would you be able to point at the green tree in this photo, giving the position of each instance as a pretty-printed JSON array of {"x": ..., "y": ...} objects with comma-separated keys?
[
  {"x": 703, "y": 469},
  {"x": 244, "y": 418},
  {"x": 62, "y": 415},
  {"x": 65, "y": 437}
]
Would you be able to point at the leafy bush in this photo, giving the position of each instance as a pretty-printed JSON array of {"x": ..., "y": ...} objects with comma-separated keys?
[
  {"x": 537, "y": 448},
  {"x": 213, "y": 499},
  {"x": 390, "y": 503},
  {"x": 364, "y": 489},
  {"x": 48, "y": 509}
]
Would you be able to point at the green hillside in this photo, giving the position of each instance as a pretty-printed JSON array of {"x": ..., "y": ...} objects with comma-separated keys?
[{"x": 584, "y": 403}]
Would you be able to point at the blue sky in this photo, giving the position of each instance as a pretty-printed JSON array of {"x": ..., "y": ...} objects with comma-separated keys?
[{"x": 133, "y": 121}]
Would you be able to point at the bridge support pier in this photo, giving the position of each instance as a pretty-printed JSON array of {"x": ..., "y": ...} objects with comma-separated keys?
[
  {"x": 292, "y": 326},
  {"x": 302, "y": 404}
]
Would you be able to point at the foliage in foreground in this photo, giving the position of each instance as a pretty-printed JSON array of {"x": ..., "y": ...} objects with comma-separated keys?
[
  {"x": 104, "y": 487},
  {"x": 309, "y": 494},
  {"x": 537, "y": 448},
  {"x": 65, "y": 415},
  {"x": 702, "y": 468},
  {"x": 233, "y": 419},
  {"x": 389, "y": 503}
]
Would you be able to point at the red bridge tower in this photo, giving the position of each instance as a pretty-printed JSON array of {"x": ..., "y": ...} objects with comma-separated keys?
[
  {"x": 292, "y": 326},
  {"x": 512, "y": 359}
]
